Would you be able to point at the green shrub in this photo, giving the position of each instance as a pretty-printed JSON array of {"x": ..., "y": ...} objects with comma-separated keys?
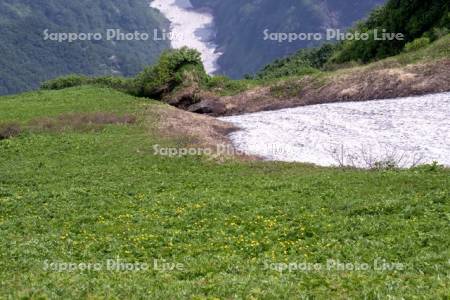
[
  {"x": 64, "y": 82},
  {"x": 173, "y": 68},
  {"x": 417, "y": 44},
  {"x": 118, "y": 83}
]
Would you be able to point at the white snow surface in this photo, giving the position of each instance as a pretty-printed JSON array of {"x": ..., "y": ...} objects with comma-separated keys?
[
  {"x": 190, "y": 28},
  {"x": 408, "y": 131}
]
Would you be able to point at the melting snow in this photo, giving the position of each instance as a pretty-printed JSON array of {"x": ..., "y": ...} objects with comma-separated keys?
[{"x": 405, "y": 130}]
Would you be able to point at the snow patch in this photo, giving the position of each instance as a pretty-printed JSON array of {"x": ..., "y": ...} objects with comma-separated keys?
[{"x": 410, "y": 130}]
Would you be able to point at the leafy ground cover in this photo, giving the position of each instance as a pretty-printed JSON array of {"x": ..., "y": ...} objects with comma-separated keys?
[{"x": 92, "y": 196}]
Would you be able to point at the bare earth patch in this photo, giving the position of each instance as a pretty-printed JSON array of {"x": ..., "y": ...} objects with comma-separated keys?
[{"x": 192, "y": 130}]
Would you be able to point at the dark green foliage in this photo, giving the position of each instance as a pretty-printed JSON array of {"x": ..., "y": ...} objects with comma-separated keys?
[
  {"x": 118, "y": 83},
  {"x": 413, "y": 18},
  {"x": 173, "y": 68},
  {"x": 64, "y": 82},
  {"x": 27, "y": 59},
  {"x": 304, "y": 62}
]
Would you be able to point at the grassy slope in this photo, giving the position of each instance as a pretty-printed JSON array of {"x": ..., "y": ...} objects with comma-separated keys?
[
  {"x": 436, "y": 51},
  {"x": 92, "y": 196}
]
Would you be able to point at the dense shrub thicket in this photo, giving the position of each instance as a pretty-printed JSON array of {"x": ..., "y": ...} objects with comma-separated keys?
[{"x": 174, "y": 67}]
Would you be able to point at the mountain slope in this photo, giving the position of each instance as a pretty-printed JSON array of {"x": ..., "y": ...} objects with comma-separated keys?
[
  {"x": 241, "y": 24},
  {"x": 27, "y": 59},
  {"x": 415, "y": 19},
  {"x": 404, "y": 17}
]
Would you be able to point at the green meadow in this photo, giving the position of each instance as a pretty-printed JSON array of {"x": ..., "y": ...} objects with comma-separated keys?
[{"x": 198, "y": 228}]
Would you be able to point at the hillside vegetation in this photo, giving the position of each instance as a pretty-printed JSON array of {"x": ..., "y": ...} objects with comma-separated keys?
[
  {"x": 415, "y": 19},
  {"x": 86, "y": 194},
  {"x": 175, "y": 68},
  {"x": 27, "y": 59},
  {"x": 178, "y": 78},
  {"x": 331, "y": 72},
  {"x": 241, "y": 24},
  {"x": 420, "y": 22}
]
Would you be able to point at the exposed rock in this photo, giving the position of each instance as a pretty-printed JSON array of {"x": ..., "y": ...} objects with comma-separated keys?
[
  {"x": 184, "y": 97},
  {"x": 195, "y": 100},
  {"x": 209, "y": 107}
]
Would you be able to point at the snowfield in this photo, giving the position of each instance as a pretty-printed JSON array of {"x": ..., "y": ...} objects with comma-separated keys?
[
  {"x": 190, "y": 28},
  {"x": 406, "y": 131}
]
